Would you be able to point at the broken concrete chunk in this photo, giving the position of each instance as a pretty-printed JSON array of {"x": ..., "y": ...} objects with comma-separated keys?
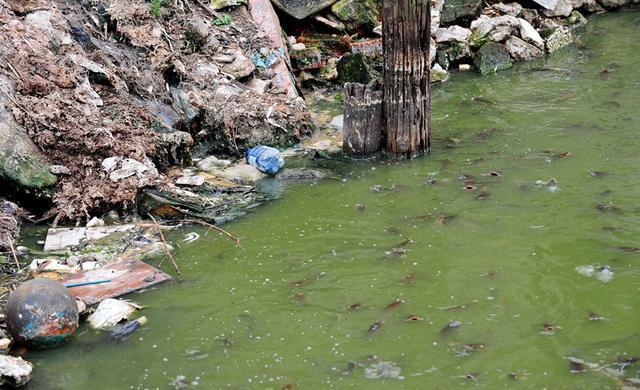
[
  {"x": 560, "y": 38},
  {"x": 529, "y": 34},
  {"x": 64, "y": 238},
  {"x": 521, "y": 50},
  {"x": 548, "y": 4},
  {"x": 192, "y": 181},
  {"x": 300, "y": 9},
  {"x": 512, "y": 9},
  {"x": 14, "y": 372},
  {"x": 562, "y": 8},
  {"x": 259, "y": 86},
  {"x": 453, "y": 33}
]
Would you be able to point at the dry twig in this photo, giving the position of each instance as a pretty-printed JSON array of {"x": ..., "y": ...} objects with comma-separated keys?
[{"x": 166, "y": 247}]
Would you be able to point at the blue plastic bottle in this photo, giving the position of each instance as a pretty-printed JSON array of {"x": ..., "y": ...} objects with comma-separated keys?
[{"x": 265, "y": 158}]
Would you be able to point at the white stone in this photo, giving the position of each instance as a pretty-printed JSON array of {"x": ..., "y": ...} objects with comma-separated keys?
[
  {"x": 521, "y": 50},
  {"x": 562, "y": 8},
  {"x": 453, "y": 33},
  {"x": 298, "y": 47},
  {"x": 464, "y": 67},
  {"x": 212, "y": 163},
  {"x": 194, "y": 181},
  {"x": 14, "y": 372},
  {"x": 512, "y": 9},
  {"x": 259, "y": 86},
  {"x": 529, "y": 34},
  {"x": 337, "y": 122}
]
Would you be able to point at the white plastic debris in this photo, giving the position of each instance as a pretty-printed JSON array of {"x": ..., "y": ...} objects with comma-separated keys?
[
  {"x": 110, "y": 312},
  {"x": 601, "y": 272}
]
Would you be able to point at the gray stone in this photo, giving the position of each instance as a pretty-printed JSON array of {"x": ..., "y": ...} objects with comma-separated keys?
[
  {"x": 491, "y": 58},
  {"x": 495, "y": 29},
  {"x": 337, "y": 122},
  {"x": 547, "y": 4},
  {"x": 14, "y": 372},
  {"x": 577, "y": 19},
  {"x": 453, "y": 33},
  {"x": 353, "y": 68},
  {"x": 562, "y": 8},
  {"x": 220, "y": 4},
  {"x": 438, "y": 75},
  {"x": 613, "y": 4},
  {"x": 521, "y": 50},
  {"x": 300, "y": 9},
  {"x": 513, "y": 9},
  {"x": 300, "y": 174},
  {"x": 356, "y": 14},
  {"x": 259, "y": 86},
  {"x": 191, "y": 181},
  {"x": 239, "y": 67},
  {"x": 457, "y": 9},
  {"x": 529, "y": 34},
  {"x": 560, "y": 38},
  {"x": 59, "y": 170},
  {"x": 212, "y": 163}
]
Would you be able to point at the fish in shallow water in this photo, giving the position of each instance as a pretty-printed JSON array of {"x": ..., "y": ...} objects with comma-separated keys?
[
  {"x": 397, "y": 302},
  {"x": 355, "y": 306},
  {"x": 409, "y": 278},
  {"x": 375, "y": 327},
  {"x": 595, "y": 317},
  {"x": 413, "y": 318},
  {"x": 630, "y": 249},
  {"x": 549, "y": 329},
  {"x": 483, "y": 100},
  {"x": 455, "y": 324}
]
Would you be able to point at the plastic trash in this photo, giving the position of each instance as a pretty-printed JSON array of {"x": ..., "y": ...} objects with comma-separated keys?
[
  {"x": 122, "y": 331},
  {"x": 110, "y": 312},
  {"x": 265, "y": 158}
]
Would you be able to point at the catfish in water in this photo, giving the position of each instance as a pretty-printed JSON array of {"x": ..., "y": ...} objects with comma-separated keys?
[
  {"x": 375, "y": 327},
  {"x": 397, "y": 302},
  {"x": 483, "y": 100},
  {"x": 455, "y": 324}
]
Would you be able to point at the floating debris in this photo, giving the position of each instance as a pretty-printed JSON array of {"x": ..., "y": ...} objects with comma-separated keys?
[
  {"x": 455, "y": 324},
  {"x": 375, "y": 327},
  {"x": 397, "y": 302},
  {"x": 191, "y": 237},
  {"x": 383, "y": 370},
  {"x": 601, "y": 272}
]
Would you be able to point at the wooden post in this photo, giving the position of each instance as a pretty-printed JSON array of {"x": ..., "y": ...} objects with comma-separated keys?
[
  {"x": 363, "y": 131},
  {"x": 407, "y": 89}
]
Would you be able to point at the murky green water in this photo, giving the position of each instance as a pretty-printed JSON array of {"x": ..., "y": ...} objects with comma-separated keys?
[{"x": 236, "y": 321}]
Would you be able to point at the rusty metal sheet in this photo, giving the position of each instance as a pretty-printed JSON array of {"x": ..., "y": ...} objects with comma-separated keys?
[{"x": 126, "y": 276}]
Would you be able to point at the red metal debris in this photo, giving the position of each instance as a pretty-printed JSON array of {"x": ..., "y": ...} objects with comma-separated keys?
[{"x": 126, "y": 276}]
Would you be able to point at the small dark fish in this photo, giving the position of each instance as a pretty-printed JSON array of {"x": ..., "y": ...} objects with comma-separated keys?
[
  {"x": 483, "y": 135},
  {"x": 397, "y": 302},
  {"x": 431, "y": 181},
  {"x": 483, "y": 100},
  {"x": 226, "y": 342},
  {"x": 445, "y": 164},
  {"x": 598, "y": 174},
  {"x": 483, "y": 195},
  {"x": 375, "y": 327},
  {"x": 409, "y": 278},
  {"x": 455, "y": 324},
  {"x": 361, "y": 207},
  {"x": 299, "y": 296},
  {"x": 606, "y": 193},
  {"x": 563, "y": 154},
  {"x": 298, "y": 283},
  {"x": 630, "y": 249},
  {"x": 288, "y": 386},
  {"x": 470, "y": 187},
  {"x": 406, "y": 242},
  {"x": 513, "y": 376},
  {"x": 399, "y": 251},
  {"x": 414, "y": 318},
  {"x": 471, "y": 376},
  {"x": 608, "y": 207},
  {"x": 549, "y": 329},
  {"x": 595, "y": 317},
  {"x": 627, "y": 361},
  {"x": 490, "y": 274},
  {"x": 452, "y": 142},
  {"x": 456, "y": 307},
  {"x": 427, "y": 217},
  {"x": 576, "y": 365},
  {"x": 348, "y": 369},
  {"x": 444, "y": 219},
  {"x": 355, "y": 306},
  {"x": 474, "y": 347},
  {"x": 567, "y": 96}
]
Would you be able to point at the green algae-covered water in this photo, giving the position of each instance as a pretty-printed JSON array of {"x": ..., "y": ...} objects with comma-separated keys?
[{"x": 499, "y": 261}]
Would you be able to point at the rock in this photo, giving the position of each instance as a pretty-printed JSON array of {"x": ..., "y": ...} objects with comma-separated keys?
[
  {"x": 547, "y": 4},
  {"x": 433, "y": 51},
  {"x": 129, "y": 167},
  {"x": 459, "y": 9},
  {"x": 453, "y": 33},
  {"x": 436, "y": 13},
  {"x": 357, "y": 15},
  {"x": 243, "y": 173},
  {"x": 613, "y": 4},
  {"x": 493, "y": 29},
  {"x": 259, "y": 86},
  {"x": 173, "y": 149},
  {"x": 456, "y": 50},
  {"x": 438, "y": 74},
  {"x": 42, "y": 21},
  {"x": 513, "y": 9},
  {"x": 220, "y": 4},
  {"x": 14, "y": 372},
  {"x": 492, "y": 57},
  {"x": 212, "y": 163},
  {"x": 298, "y": 46},
  {"x": 191, "y": 181},
  {"x": 224, "y": 92},
  {"x": 531, "y": 15},
  {"x": 197, "y": 31},
  {"x": 562, "y": 8},
  {"x": 337, "y": 122},
  {"x": 592, "y": 6},
  {"x": 95, "y": 221},
  {"x": 299, "y": 174},
  {"x": 576, "y": 19},
  {"x": 521, "y": 50},
  {"x": 329, "y": 71},
  {"x": 529, "y": 34},
  {"x": 240, "y": 67},
  {"x": 353, "y": 68},
  {"x": 560, "y": 38},
  {"x": 59, "y": 170},
  {"x": 21, "y": 162},
  {"x": 301, "y": 9}
]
